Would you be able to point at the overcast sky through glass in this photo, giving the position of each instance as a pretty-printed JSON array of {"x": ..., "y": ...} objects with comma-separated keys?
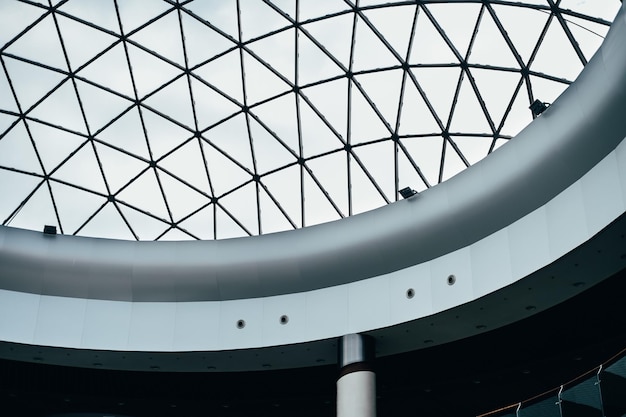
[{"x": 214, "y": 119}]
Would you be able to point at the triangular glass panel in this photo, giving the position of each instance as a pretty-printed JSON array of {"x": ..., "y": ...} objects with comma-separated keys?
[
  {"x": 453, "y": 163},
  {"x": 331, "y": 101},
  {"x": 74, "y": 206},
  {"x": 383, "y": 88},
  {"x": 365, "y": 124},
  {"x": 30, "y": 82},
  {"x": 210, "y": 106},
  {"x": 426, "y": 153},
  {"x": 278, "y": 51},
  {"x": 126, "y": 133},
  {"x": 41, "y": 37},
  {"x": 163, "y": 135},
  {"x": 318, "y": 208},
  {"x": 242, "y": 204},
  {"x": 95, "y": 12},
  {"x": 107, "y": 224},
  {"x": 222, "y": 15},
  {"x": 257, "y": 19},
  {"x": 111, "y": 71},
  {"x": 416, "y": 118},
  {"x": 15, "y": 187},
  {"x": 175, "y": 235},
  {"x": 174, "y": 101},
  {"x": 61, "y": 108},
  {"x": 378, "y": 159},
  {"x": 365, "y": 196},
  {"x": 317, "y": 137},
  {"x": 269, "y": 154},
  {"x": 145, "y": 227},
  {"x": 82, "y": 170},
  {"x": 407, "y": 175},
  {"x": 439, "y": 86},
  {"x": 82, "y": 42},
  {"x": 145, "y": 194},
  {"x": 7, "y": 101},
  {"x": 134, "y": 15},
  {"x": 17, "y": 17},
  {"x": 496, "y": 89},
  {"x": 457, "y": 21},
  {"x": 473, "y": 148},
  {"x": 54, "y": 145},
  {"x": 163, "y": 37},
  {"x": 16, "y": 150},
  {"x": 224, "y": 73},
  {"x": 227, "y": 228},
  {"x": 313, "y": 64},
  {"x": 284, "y": 185},
  {"x": 37, "y": 212},
  {"x": 394, "y": 24},
  {"x": 564, "y": 64},
  {"x": 489, "y": 46},
  {"x": 232, "y": 138},
  {"x": 119, "y": 168},
  {"x": 468, "y": 114},
  {"x": 149, "y": 71},
  {"x": 589, "y": 35},
  {"x": 523, "y": 26},
  {"x": 332, "y": 173},
  {"x": 605, "y": 10},
  {"x": 428, "y": 46},
  {"x": 286, "y": 6},
  {"x": 182, "y": 199},
  {"x": 225, "y": 174},
  {"x": 279, "y": 115},
  {"x": 519, "y": 116},
  {"x": 201, "y": 41},
  {"x": 7, "y": 121},
  {"x": 99, "y": 105},
  {"x": 546, "y": 90},
  {"x": 272, "y": 219},
  {"x": 261, "y": 83},
  {"x": 369, "y": 51},
  {"x": 312, "y": 9},
  {"x": 334, "y": 34},
  {"x": 201, "y": 224},
  {"x": 187, "y": 164}
]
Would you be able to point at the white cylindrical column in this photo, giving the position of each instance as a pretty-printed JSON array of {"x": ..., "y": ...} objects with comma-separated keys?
[{"x": 356, "y": 385}]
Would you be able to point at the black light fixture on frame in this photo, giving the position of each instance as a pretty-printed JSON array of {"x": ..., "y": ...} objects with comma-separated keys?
[
  {"x": 407, "y": 192},
  {"x": 538, "y": 107}
]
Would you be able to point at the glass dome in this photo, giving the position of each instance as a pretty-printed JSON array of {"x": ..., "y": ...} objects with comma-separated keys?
[{"x": 206, "y": 120}]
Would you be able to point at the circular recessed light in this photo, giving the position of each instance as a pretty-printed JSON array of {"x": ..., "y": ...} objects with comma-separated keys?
[
  {"x": 241, "y": 324},
  {"x": 284, "y": 319},
  {"x": 410, "y": 293},
  {"x": 451, "y": 279}
]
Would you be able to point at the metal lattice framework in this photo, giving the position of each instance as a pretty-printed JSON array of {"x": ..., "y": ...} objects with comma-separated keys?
[{"x": 197, "y": 119}]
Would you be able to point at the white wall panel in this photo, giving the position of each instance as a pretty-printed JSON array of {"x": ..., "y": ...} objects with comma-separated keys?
[
  {"x": 18, "y": 316},
  {"x": 107, "y": 323},
  {"x": 491, "y": 263},
  {"x": 197, "y": 326},
  {"x": 567, "y": 223},
  {"x": 529, "y": 243},
  {"x": 251, "y": 311},
  {"x": 603, "y": 199},
  {"x": 294, "y": 307},
  {"x": 456, "y": 263},
  {"x": 152, "y": 326},
  {"x": 60, "y": 321},
  {"x": 417, "y": 278}
]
